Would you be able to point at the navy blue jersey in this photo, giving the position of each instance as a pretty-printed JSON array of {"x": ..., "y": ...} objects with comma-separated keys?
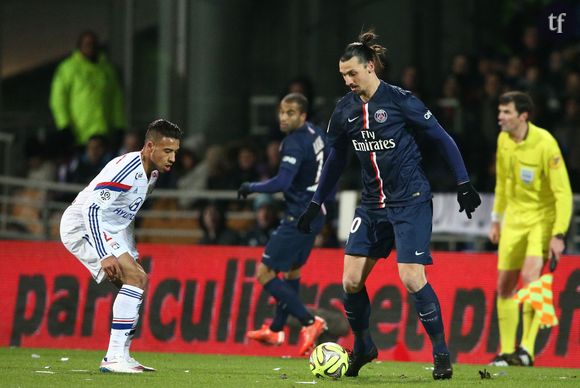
[
  {"x": 379, "y": 132},
  {"x": 303, "y": 154}
]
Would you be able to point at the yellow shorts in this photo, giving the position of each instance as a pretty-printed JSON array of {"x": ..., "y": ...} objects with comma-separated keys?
[{"x": 517, "y": 243}]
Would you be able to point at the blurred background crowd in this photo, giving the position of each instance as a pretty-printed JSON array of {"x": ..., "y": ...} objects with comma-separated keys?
[{"x": 92, "y": 112}]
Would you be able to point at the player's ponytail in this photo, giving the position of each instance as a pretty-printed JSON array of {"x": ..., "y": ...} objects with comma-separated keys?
[{"x": 365, "y": 51}]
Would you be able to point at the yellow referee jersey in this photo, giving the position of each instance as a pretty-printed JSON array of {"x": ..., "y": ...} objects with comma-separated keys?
[{"x": 532, "y": 182}]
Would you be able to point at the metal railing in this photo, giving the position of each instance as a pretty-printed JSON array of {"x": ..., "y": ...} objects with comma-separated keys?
[{"x": 31, "y": 210}]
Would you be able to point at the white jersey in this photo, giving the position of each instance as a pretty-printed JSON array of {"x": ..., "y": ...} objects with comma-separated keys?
[{"x": 108, "y": 205}]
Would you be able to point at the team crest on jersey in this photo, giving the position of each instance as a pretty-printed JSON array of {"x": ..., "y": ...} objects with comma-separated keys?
[
  {"x": 381, "y": 116},
  {"x": 527, "y": 175}
]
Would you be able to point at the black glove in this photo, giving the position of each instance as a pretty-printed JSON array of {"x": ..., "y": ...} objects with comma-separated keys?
[
  {"x": 468, "y": 198},
  {"x": 244, "y": 190},
  {"x": 307, "y": 217}
]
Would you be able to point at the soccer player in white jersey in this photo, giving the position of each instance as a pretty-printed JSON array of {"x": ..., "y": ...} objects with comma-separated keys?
[{"x": 97, "y": 228}]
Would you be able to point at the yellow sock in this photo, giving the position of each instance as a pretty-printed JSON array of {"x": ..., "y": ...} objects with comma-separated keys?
[
  {"x": 508, "y": 316},
  {"x": 531, "y": 327},
  {"x": 527, "y": 319}
]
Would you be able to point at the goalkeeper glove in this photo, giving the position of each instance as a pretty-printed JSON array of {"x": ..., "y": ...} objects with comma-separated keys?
[{"x": 468, "y": 198}]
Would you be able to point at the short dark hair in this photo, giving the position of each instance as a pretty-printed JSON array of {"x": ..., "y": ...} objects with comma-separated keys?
[
  {"x": 522, "y": 102},
  {"x": 364, "y": 51},
  {"x": 299, "y": 99},
  {"x": 162, "y": 128}
]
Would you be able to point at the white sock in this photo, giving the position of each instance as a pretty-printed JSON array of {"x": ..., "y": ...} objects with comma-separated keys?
[
  {"x": 130, "y": 337},
  {"x": 125, "y": 315}
]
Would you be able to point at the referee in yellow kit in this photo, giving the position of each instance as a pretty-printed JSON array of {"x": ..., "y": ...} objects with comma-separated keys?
[{"x": 531, "y": 214}]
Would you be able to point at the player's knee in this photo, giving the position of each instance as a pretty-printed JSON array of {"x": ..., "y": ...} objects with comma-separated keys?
[
  {"x": 412, "y": 281},
  {"x": 505, "y": 287},
  {"x": 264, "y": 274},
  {"x": 352, "y": 285},
  {"x": 138, "y": 279},
  {"x": 505, "y": 291},
  {"x": 529, "y": 276},
  {"x": 412, "y": 276},
  {"x": 294, "y": 273}
]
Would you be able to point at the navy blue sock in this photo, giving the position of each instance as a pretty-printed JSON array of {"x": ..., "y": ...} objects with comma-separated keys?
[
  {"x": 284, "y": 294},
  {"x": 358, "y": 311},
  {"x": 281, "y": 314},
  {"x": 429, "y": 312}
]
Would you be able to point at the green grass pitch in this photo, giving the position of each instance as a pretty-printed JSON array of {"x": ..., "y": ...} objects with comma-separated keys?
[{"x": 24, "y": 367}]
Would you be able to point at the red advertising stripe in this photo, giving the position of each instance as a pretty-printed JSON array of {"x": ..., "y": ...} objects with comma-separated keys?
[{"x": 204, "y": 299}]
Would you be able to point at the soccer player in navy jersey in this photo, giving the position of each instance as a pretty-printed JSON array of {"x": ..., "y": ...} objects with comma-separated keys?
[
  {"x": 375, "y": 119},
  {"x": 302, "y": 157}
]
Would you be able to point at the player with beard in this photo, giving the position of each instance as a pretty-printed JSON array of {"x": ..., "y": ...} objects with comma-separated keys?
[
  {"x": 376, "y": 119},
  {"x": 97, "y": 228},
  {"x": 302, "y": 156}
]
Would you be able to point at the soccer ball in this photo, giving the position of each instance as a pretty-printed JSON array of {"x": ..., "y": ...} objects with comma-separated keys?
[{"x": 329, "y": 360}]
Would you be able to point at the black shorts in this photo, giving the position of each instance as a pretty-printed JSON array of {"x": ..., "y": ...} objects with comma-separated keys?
[
  {"x": 289, "y": 248},
  {"x": 374, "y": 233}
]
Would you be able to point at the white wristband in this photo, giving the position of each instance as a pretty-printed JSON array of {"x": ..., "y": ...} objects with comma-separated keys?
[{"x": 496, "y": 217}]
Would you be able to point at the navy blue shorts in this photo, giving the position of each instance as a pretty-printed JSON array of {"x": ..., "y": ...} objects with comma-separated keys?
[
  {"x": 374, "y": 233},
  {"x": 289, "y": 248}
]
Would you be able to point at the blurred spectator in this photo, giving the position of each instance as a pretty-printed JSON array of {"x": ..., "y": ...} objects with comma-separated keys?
[
  {"x": 531, "y": 53},
  {"x": 215, "y": 231},
  {"x": 555, "y": 75},
  {"x": 572, "y": 85},
  {"x": 567, "y": 132},
  {"x": 484, "y": 68},
  {"x": 514, "y": 73},
  {"x": 86, "y": 166},
  {"x": 85, "y": 97},
  {"x": 266, "y": 221},
  {"x": 304, "y": 86},
  {"x": 132, "y": 141},
  {"x": 555, "y": 83},
  {"x": 269, "y": 168},
  {"x": 39, "y": 166},
  {"x": 449, "y": 111},
  {"x": 188, "y": 179},
  {"x": 246, "y": 168},
  {"x": 212, "y": 172},
  {"x": 533, "y": 85},
  {"x": 492, "y": 89},
  {"x": 410, "y": 81},
  {"x": 461, "y": 72}
]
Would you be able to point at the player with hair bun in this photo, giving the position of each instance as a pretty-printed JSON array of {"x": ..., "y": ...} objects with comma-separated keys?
[{"x": 376, "y": 119}]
